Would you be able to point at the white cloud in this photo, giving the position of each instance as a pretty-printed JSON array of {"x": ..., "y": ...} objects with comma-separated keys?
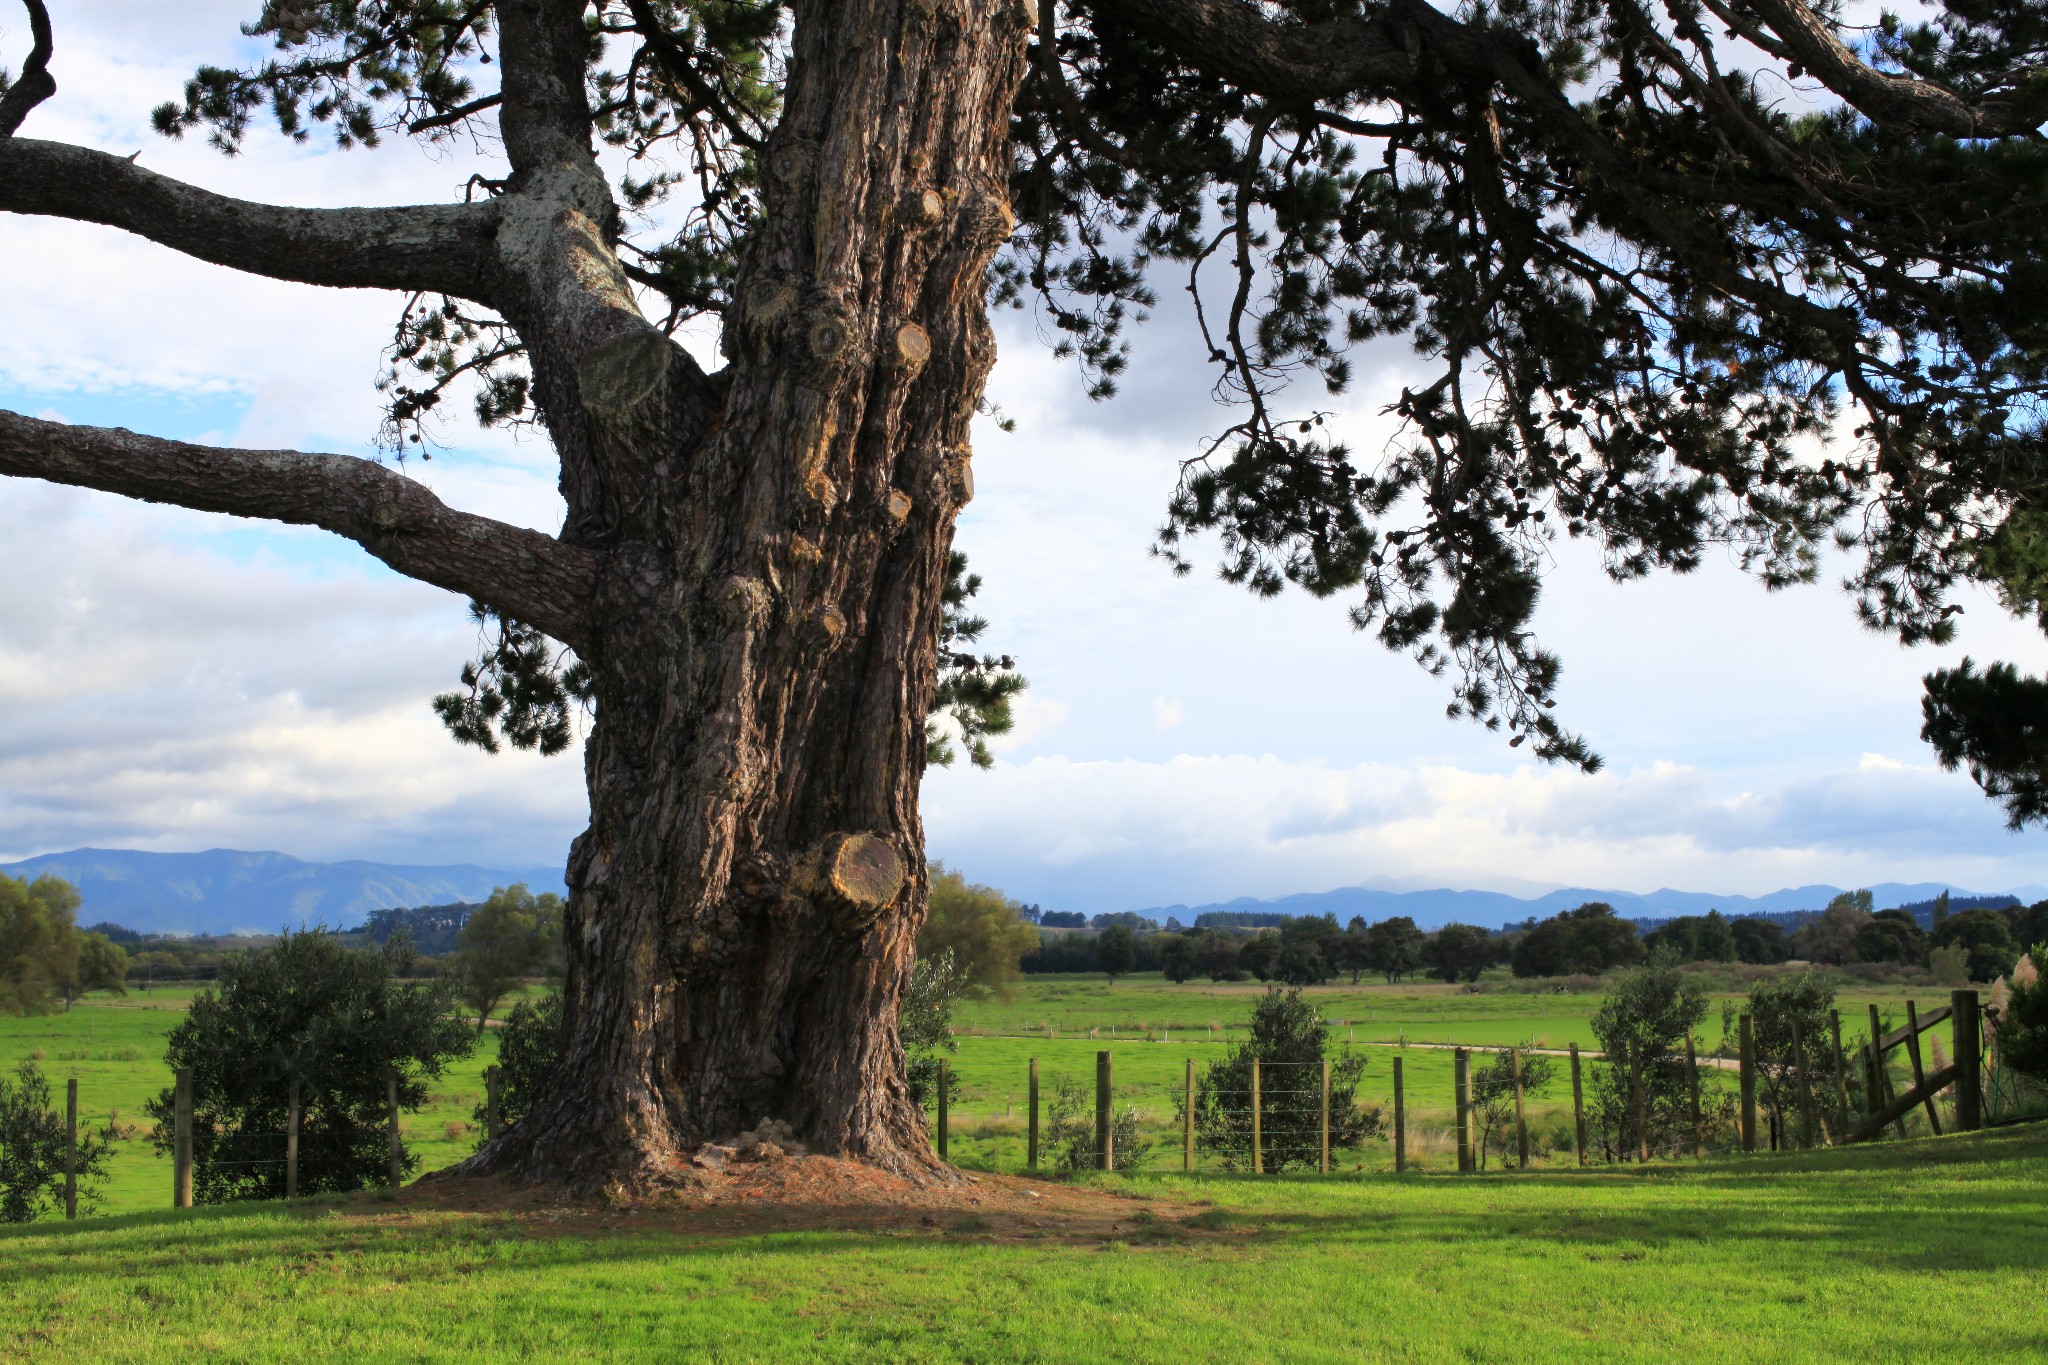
[
  {"x": 1111, "y": 835},
  {"x": 1166, "y": 714}
]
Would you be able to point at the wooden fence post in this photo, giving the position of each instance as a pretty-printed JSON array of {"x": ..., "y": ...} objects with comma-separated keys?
[
  {"x": 1105, "y": 1158},
  {"x": 1187, "y": 1123},
  {"x": 490, "y": 1102},
  {"x": 1841, "y": 1072},
  {"x": 1692, "y": 1074},
  {"x": 1578, "y": 1108},
  {"x": 1969, "y": 1061},
  {"x": 1326, "y": 1116},
  {"x": 181, "y": 1141},
  {"x": 1031, "y": 1124},
  {"x": 1884, "y": 1080},
  {"x": 1746, "y": 1076},
  {"x": 1806, "y": 1132},
  {"x": 1400, "y": 1120},
  {"x": 391, "y": 1119},
  {"x": 1635, "y": 1083},
  {"x": 71, "y": 1148},
  {"x": 1258, "y": 1142},
  {"x": 1462, "y": 1074},
  {"x": 291, "y": 1143},
  {"x": 1521, "y": 1123},
  {"x": 1919, "y": 1074},
  {"x": 945, "y": 1118}
]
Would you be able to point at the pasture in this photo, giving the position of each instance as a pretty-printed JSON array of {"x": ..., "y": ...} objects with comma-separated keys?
[
  {"x": 1151, "y": 1027},
  {"x": 1919, "y": 1251}
]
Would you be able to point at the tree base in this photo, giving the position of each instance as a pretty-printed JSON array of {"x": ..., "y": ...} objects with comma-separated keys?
[
  {"x": 646, "y": 1170},
  {"x": 793, "y": 1193}
]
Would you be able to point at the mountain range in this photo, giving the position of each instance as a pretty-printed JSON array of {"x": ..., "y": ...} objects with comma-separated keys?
[
  {"x": 1431, "y": 909},
  {"x": 226, "y": 891}
]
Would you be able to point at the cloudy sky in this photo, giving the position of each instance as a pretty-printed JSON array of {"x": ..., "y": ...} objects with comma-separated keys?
[{"x": 174, "y": 681}]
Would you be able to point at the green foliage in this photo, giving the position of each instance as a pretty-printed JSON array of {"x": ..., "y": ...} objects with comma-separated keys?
[
  {"x": 925, "y": 1025},
  {"x": 305, "y": 1008},
  {"x": 1832, "y": 937},
  {"x": 1693, "y": 938},
  {"x": 1259, "y": 956},
  {"x": 1493, "y": 1096},
  {"x": 1289, "y": 1039},
  {"x": 1217, "y": 956},
  {"x": 1582, "y": 942},
  {"x": 1460, "y": 952},
  {"x": 1892, "y": 936},
  {"x": 2022, "y": 1022},
  {"x": 528, "y": 1046},
  {"x": 1070, "y": 1130},
  {"x": 1393, "y": 948},
  {"x": 1643, "y": 1025},
  {"x": 38, "y": 942},
  {"x": 514, "y": 934},
  {"x": 32, "y": 1150},
  {"x": 1991, "y": 723},
  {"x": 1775, "y": 1005},
  {"x": 521, "y": 687},
  {"x": 1116, "y": 951},
  {"x": 1311, "y": 946},
  {"x": 1760, "y": 942},
  {"x": 980, "y": 927},
  {"x": 1985, "y": 936},
  {"x": 974, "y": 692}
]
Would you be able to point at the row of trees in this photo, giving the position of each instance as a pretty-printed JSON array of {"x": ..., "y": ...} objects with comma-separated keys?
[{"x": 1589, "y": 940}]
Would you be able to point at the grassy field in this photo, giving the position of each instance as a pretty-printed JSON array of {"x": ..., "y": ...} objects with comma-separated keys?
[
  {"x": 1152, "y": 1028},
  {"x": 1931, "y": 1250}
]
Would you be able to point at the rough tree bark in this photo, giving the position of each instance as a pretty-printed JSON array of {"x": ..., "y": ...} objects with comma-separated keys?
[
  {"x": 743, "y": 904},
  {"x": 752, "y": 563}
]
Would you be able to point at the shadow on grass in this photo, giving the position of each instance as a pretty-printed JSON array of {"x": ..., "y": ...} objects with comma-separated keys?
[{"x": 1970, "y": 1203}]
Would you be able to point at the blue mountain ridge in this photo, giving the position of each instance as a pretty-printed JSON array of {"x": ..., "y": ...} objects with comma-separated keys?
[
  {"x": 1435, "y": 908},
  {"x": 227, "y": 891}
]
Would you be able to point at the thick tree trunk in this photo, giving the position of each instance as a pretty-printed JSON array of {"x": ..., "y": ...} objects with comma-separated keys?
[{"x": 743, "y": 905}]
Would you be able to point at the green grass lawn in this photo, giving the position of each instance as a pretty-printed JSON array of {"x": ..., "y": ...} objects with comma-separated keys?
[{"x": 1930, "y": 1250}]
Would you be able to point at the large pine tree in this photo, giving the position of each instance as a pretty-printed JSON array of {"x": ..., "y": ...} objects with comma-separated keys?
[{"x": 1690, "y": 273}]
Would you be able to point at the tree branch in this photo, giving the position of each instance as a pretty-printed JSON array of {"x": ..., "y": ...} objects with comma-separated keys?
[
  {"x": 446, "y": 248},
  {"x": 448, "y": 118},
  {"x": 1887, "y": 98},
  {"x": 36, "y": 83},
  {"x": 1290, "y": 64},
  {"x": 524, "y": 574}
]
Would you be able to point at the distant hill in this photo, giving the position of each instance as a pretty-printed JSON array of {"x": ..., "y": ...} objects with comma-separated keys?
[
  {"x": 1431, "y": 909},
  {"x": 225, "y": 891}
]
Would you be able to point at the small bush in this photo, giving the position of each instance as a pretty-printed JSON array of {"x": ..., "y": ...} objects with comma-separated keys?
[
  {"x": 1070, "y": 1130},
  {"x": 32, "y": 1147}
]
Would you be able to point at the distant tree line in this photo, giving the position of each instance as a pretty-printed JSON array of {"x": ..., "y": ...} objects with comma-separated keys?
[{"x": 1973, "y": 939}]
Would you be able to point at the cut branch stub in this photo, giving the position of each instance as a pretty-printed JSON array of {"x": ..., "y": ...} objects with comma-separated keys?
[
  {"x": 913, "y": 346},
  {"x": 863, "y": 870},
  {"x": 621, "y": 375},
  {"x": 898, "y": 506}
]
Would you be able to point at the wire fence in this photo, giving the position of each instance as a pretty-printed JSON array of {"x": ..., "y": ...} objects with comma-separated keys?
[{"x": 1281, "y": 1115}]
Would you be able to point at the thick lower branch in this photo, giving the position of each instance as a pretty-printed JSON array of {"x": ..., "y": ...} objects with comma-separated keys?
[
  {"x": 446, "y": 248},
  {"x": 523, "y": 573}
]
